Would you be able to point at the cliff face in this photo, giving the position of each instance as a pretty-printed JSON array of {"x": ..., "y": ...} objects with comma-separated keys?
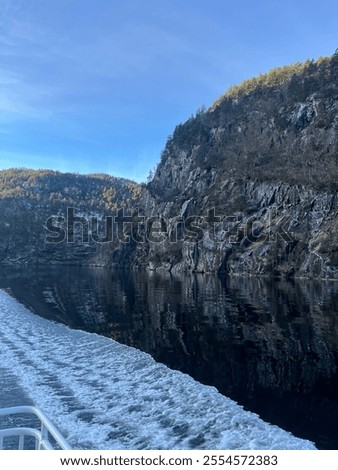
[
  {"x": 246, "y": 187},
  {"x": 253, "y": 181},
  {"x": 264, "y": 229}
]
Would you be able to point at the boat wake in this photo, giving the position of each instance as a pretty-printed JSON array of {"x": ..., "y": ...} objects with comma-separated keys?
[{"x": 104, "y": 395}]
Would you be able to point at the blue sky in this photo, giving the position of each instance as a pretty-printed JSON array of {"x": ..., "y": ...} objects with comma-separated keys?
[{"x": 97, "y": 86}]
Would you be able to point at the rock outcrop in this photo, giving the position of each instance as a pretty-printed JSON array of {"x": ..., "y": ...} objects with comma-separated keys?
[
  {"x": 253, "y": 180},
  {"x": 248, "y": 186}
]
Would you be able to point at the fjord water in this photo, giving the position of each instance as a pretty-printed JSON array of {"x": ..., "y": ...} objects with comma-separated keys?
[
  {"x": 104, "y": 395},
  {"x": 270, "y": 345}
]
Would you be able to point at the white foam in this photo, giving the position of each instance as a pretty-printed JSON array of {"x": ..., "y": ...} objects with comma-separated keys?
[{"x": 104, "y": 395}]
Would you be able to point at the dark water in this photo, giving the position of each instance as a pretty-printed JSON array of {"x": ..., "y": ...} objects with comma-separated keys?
[{"x": 270, "y": 345}]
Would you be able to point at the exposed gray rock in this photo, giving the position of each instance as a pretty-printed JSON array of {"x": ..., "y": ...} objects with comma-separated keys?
[
  {"x": 266, "y": 162},
  {"x": 280, "y": 230},
  {"x": 246, "y": 187}
]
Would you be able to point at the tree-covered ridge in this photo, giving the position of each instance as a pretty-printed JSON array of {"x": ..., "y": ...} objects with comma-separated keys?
[
  {"x": 37, "y": 205},
  {"x": 98, "y": 190},
  {"x": 273, "y": 78}
]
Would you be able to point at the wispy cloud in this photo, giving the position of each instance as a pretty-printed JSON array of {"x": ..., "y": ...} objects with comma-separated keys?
[
  {"x": 107, "y": 79},
  {"x": 19, "y": 99},
  {"x": 49, "y": 70},
  {"x": 26, "y": 92}
]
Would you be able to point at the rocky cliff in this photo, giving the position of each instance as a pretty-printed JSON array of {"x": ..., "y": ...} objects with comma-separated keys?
[{"x": 250, "y": 186}]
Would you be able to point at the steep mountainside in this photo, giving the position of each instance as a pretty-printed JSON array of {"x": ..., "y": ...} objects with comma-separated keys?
[
  {"x": 50, "y": 217},
  {"x": 264, "y": 161},
  {"x": 248, "y": 186}
]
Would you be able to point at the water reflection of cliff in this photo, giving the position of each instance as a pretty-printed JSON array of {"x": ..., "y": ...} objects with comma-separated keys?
[{"x": 270, "y": 345}]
